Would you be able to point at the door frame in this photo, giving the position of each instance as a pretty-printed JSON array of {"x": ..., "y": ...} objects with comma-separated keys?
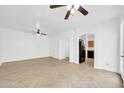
[
  {"x": 122, "y": 49},
  {"x": 77, "y": 48}
]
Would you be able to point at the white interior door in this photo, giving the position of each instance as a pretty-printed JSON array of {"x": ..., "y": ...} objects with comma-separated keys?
[{"x": 122, "y": 50}]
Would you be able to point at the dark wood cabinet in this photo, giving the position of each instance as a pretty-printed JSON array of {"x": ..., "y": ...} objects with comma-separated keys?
[{"x": 90, "y": 54}]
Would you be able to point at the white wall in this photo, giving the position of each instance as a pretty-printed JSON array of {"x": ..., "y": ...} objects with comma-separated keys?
[
  {"x": 59, "y": 46},
  {"x": 54, "y": 46},
  {"x": 57, "y": 42},
  {"x": 84, "y": 30},
  {"x": 16, "y": 45},
  {"x": 108, "y": 45},
  {"x": 67, "y": 48},
  {"x": 0, "y": 49}
]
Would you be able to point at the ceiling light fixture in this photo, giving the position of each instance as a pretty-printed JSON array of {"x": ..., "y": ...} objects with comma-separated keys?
[
  {"x": 69, "y": 7},
  {"x": 72, "y": 8},
  {"x": 72, "y": 11},
  {"x": 76, "y": 7}
]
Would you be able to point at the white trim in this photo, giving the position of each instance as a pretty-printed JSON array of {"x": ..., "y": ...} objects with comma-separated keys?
[
  {"x": 77, "y": 49},
  {"x": 121, "y": 49}
]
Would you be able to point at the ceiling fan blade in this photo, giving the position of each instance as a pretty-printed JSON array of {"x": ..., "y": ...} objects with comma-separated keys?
[
  {"x": 67, "y": 14},
  {"x": 56, "y": 6},
  {"x": 82, "y": 10},
  {"x": 43, "y": 34}
]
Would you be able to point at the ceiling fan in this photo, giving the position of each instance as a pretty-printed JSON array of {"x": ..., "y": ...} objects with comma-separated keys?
[
  {"x": 38, "y": 31},
  {"x": 71, "y": 9}
]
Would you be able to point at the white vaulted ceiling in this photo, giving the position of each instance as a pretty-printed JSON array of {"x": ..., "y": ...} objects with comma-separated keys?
[{"x": 24, "y": 17}]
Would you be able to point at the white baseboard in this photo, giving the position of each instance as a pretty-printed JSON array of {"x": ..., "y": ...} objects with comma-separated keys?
[{"x": 24, "y": 59}]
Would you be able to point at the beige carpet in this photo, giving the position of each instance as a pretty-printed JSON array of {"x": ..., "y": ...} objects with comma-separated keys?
[{"x": 49, "y": 72}]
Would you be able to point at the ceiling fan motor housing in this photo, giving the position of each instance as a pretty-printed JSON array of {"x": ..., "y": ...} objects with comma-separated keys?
[{"x": 38, "y": 31}]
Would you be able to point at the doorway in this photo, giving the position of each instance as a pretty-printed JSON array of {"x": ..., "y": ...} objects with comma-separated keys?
[{"x": 86, "y": 49}]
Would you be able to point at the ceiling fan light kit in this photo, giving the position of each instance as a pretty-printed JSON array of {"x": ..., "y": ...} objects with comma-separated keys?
[
  {"x": 71, "y": 9},
  {"x": 76, "y": 6},
  {"x": 38, "y": 33}
]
